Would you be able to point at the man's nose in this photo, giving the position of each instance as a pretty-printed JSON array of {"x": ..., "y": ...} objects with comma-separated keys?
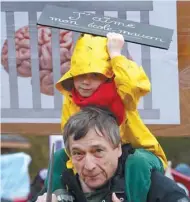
[{"x": 89, "y": 163}]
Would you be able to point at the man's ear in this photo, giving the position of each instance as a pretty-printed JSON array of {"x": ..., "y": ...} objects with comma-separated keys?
[{"x": 119, "y": 150}]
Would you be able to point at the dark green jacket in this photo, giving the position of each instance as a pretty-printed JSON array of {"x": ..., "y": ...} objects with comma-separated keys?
[{"x": 161, "y": 187}]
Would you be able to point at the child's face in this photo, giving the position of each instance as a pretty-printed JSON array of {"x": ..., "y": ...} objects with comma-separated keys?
[{"x": 87, "y": 84}]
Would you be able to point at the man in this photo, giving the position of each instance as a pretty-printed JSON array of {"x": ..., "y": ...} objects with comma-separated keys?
[{"x": 92, "y": 140}]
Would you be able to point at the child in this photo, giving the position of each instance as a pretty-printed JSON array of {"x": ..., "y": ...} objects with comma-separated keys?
[{"x": 100, "y": 75}]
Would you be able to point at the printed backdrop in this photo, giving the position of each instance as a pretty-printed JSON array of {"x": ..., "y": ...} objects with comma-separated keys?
[{"x": 33, "y": 58}]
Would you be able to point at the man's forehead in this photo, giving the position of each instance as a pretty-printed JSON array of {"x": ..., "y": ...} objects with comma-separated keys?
[
  {"x": 88, "y": 146},
  {"x": 93, "y": 133},
  {"x": 93, "y": 138}
]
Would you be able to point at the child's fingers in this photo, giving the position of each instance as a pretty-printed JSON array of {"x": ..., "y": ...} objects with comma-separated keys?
[
  {"x": 114, "y": 35},
  {"x": 110, "y": 35},
  {"x": 118, "y": 36}
]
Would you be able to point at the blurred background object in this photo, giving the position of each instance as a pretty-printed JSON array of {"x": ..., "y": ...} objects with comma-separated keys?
[
  {"x": 35, "y": 146},
  {"x": 183, "y": 168},
  {"x": 179, "y": 175},
  {"x": 9, "y": 142},
  {"x": 15, "y": 178},
  {"x": 38, "y": 183}
]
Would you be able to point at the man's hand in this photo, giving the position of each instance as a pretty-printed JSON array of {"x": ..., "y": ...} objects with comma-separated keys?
[
  {"x": 43, "y": 198},
  {"x": 114, "y": 198},
  {"x": 114, "y": 44}
]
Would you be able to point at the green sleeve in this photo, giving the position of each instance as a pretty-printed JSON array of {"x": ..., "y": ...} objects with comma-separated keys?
[
  {"x": 138, "y": 168},
  {"x": 60, "y": 159}
]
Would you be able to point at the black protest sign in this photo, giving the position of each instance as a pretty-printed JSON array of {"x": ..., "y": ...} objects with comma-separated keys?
[{"x": 85, "y": 22}]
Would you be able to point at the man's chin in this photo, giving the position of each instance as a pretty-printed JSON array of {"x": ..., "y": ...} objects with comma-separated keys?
[{"x": 95, "y": 185}]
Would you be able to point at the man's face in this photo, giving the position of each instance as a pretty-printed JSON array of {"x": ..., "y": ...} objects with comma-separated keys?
[
  {"x": 87, "y": 84},
  {"x": 94, "y": 158}
]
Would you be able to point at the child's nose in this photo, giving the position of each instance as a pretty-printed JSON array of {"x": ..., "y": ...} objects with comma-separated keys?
[{"x": 86, "y": 79}]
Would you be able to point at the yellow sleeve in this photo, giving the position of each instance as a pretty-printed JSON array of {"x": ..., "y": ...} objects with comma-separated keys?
[
  {"x": 65, "y": 112},
  {"x": 131, "y": 80},
  {"x": 134, "y": 131},
  {"x": 69, "y": 108},
  {"x": 132, "y": 83}
]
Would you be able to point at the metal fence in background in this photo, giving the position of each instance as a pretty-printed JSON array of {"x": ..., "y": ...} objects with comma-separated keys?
[{"x": 99, "y": 7}]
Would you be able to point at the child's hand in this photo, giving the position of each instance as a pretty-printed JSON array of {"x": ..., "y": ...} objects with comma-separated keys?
[{"x": 115, "y": 44}]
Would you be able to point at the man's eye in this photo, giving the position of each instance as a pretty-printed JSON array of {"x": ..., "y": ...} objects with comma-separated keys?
[
  {"x": 76, "y": 153},
  {"x": 99, "y": 153},
  {"x": 99, "y": 150}
]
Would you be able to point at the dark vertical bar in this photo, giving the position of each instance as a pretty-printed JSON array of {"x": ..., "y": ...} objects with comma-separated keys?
[
  {"x": 122, "y": 15},
  {"x": 56, "y": 65},
  {"x": 13, "y": 83},
  {"x": 36, "y": 96},
  {"x": 145, "y": 55}
]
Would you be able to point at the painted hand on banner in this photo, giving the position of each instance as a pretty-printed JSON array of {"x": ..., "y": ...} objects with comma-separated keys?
[
  {"x": 115, "y": 44},
  {"x": 23, "y": 55}
]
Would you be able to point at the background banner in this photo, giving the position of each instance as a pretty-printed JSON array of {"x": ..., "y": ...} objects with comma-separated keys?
[{"x": 34, "y": 57}]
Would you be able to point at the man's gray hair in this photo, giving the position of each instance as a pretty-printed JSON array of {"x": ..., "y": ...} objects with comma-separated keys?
[{"x": 88, "y": 118}]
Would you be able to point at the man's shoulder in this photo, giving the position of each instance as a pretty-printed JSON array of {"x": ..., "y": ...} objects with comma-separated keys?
[{"x": 164, "y": 189}]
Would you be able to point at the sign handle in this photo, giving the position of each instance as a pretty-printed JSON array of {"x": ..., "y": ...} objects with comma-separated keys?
[{"x": 50, "y": 176}]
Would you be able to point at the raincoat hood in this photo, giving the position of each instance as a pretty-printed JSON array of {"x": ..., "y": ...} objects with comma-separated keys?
[{"x": 89, "y": 56}]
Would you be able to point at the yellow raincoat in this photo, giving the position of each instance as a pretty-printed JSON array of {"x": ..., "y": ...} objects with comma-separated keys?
[{"x": 90, "y": 56}]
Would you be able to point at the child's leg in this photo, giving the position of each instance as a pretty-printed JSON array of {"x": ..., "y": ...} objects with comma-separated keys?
[{"x": 138, "y": 169}]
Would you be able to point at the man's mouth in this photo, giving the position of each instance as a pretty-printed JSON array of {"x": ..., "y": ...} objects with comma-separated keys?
[
  {"x": 91, "y": 176},
  {"x": 85, "y": 89}
]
